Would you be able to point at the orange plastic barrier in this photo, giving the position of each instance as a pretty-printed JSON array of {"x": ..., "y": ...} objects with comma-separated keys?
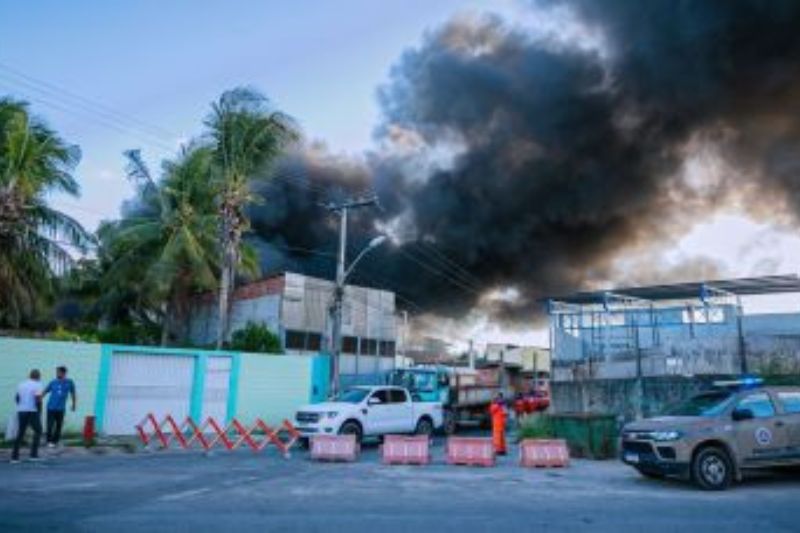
[
  {"x": 404, "y": 450},
  {"x": 470, "y": 451},
  {"x": 334, "y": 448},
  {"x": 539, "y": 453}
]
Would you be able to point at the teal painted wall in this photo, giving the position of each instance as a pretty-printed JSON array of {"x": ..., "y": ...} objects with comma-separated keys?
[
  {"x": 321, "y": 378},
  {"x": 270, "y": 387},
  {"x": 19, "y": 356}
]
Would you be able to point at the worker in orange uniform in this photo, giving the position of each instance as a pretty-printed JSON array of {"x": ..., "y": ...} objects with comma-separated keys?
[{"x": 498, "y": 412}]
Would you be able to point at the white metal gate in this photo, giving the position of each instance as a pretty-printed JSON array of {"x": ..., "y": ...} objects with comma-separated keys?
[
  {"x": 215, "y": 390},
  {"x": 141, "y": 384}
]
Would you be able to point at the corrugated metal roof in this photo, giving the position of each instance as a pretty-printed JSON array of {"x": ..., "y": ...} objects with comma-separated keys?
[{"x": 680, "y": 291}]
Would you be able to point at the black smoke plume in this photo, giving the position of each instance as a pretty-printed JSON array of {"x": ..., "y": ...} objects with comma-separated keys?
[{"x": 533, "y": 161}]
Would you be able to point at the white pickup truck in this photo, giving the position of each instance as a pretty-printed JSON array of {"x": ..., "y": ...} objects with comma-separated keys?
[{"x": 370, "y": 412}]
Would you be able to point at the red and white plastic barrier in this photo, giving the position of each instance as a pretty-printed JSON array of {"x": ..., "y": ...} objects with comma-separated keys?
[
  {"x": 209, "y": 434},
  {"x": 334, "y": 448},
  {"x": 540, "y": 453},
  {"x": 404, "y": 450},
  {"x": 473, "y": 451}
]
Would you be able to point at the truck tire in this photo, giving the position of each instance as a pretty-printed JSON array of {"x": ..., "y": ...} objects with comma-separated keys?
[
  {"x": 351, "y": 427},
  {"x": 424, "y": 427},
  {"x": 712, "y": 469},
  {"x": 450, "y": 424}
]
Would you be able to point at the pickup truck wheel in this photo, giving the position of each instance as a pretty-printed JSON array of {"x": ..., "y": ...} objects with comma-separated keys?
[
  {"x": 351, "y": 428},
  {"x": 424, "y": 427},
  {"x": 712, "y": 469}
]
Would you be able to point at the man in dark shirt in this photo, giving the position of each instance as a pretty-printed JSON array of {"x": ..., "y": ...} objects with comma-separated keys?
[{"x": 59, "y": 389}]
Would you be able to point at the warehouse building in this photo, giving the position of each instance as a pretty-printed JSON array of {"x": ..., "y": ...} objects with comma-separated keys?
[{"x": 297, "y": 309}]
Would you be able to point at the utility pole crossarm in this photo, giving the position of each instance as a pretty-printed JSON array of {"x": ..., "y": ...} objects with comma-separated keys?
[{"x": 351, "y": 203}]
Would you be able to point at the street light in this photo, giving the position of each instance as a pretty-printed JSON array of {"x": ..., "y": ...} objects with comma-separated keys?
[
  {"x": 342, "y": 274},
  {"x": 374, "y": 243}
]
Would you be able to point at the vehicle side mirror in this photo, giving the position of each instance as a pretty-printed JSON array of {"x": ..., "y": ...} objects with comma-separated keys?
[
  {"x": 373, "y": 401},
  {"x": 742, "y": 414}
]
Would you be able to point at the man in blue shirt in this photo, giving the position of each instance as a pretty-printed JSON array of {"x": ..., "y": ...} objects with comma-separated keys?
[{"x": 59, "y": 389}]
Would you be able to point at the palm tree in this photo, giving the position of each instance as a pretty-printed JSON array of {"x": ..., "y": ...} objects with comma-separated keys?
[
  {"x": 34, "y": 238},
  {"x": 165, "y": 249},
  {"x": 247, "y": 135}
]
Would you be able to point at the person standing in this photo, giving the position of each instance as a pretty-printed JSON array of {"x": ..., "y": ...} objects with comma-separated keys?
[
  {"x": 498, "y": 412},
  {"x": 58, "y": 389},
  {"x": 29, "y": 406}
]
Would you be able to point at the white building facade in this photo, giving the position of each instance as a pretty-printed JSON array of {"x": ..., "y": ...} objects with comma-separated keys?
[{"x": 297, "y": 309}]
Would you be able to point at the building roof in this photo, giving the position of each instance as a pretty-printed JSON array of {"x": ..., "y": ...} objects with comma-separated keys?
[{"x": 680, "y": 291}]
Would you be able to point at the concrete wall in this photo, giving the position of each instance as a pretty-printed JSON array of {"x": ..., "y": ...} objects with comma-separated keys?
[
  {"x": 620, "y": 396},
  {"x": 263, "y": 309},
  {"x": 19, "y": 356}
]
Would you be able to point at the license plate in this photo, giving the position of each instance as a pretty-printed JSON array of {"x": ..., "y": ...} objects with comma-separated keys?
[{"x": 631, "y": 458}]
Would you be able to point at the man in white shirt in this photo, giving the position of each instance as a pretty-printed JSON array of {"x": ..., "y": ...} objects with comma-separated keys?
[{"x": 29, "y": 408}]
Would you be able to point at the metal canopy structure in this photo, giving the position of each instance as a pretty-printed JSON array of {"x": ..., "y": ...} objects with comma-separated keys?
[
  {"x": 625, "y": 323},
  {"x": 787, "y": 283}
]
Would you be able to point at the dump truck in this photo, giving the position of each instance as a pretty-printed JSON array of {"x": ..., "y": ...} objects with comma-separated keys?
[{"x": 465, "y": 393}]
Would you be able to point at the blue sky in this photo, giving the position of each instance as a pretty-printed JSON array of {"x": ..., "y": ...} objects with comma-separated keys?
[{"x": 160, "y": 64}]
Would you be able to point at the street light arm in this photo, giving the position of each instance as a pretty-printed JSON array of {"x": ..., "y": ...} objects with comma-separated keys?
[{"x": 377, "y": 241}]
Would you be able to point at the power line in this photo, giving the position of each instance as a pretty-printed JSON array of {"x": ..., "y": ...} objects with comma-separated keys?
[
  {"x": 452, "y": 262},
  {"x": 94, "y": 105},
  {"x": 445, "y": 267},
  {"x": 439, "y": 273},
  {"x": 97, "y": 119}
]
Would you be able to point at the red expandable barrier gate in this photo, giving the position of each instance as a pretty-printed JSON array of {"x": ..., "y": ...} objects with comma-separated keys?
[
  {"x": 474, "y": 451},
  {"x": 334, "y": 448},
  {"x": 211, "y": 433},
  {"x": 540, "y": 453},
  {"x": 405, "y": 450}
]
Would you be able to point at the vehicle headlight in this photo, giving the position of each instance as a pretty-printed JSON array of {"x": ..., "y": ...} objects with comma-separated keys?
[
  {"x": 663, "y": 436},
  {"x": 332, "y": 414}
]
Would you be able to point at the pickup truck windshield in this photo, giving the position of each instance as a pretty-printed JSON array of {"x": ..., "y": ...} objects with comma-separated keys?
[
  {"x": 352, "y": 395},
  {"x": 706, "y": 404}
]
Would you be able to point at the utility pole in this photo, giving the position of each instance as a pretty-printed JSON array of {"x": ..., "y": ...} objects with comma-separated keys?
[
  {"x": 341, "y": 209},
  {"x": 405, "y": 341}
]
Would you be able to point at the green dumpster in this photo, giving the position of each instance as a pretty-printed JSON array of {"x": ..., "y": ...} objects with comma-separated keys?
[{"x": 587, "y": 434}]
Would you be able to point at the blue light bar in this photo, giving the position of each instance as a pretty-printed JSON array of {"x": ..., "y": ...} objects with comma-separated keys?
[{"x": 745, "y": 382}]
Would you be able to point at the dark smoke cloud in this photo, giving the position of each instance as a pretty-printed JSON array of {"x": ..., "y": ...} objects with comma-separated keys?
[{"x": 535, "y": 164}]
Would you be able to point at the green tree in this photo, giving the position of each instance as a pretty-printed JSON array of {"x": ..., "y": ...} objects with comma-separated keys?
[
  {"x": 256, "y": 338},
  {"x": 247, "y": 135},
  {"x": 164, "y": 250},
  {"x": 34, "y": 238}
]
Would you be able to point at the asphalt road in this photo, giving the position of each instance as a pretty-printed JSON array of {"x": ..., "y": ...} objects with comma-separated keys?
[{"x": 188, "y": 491}]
